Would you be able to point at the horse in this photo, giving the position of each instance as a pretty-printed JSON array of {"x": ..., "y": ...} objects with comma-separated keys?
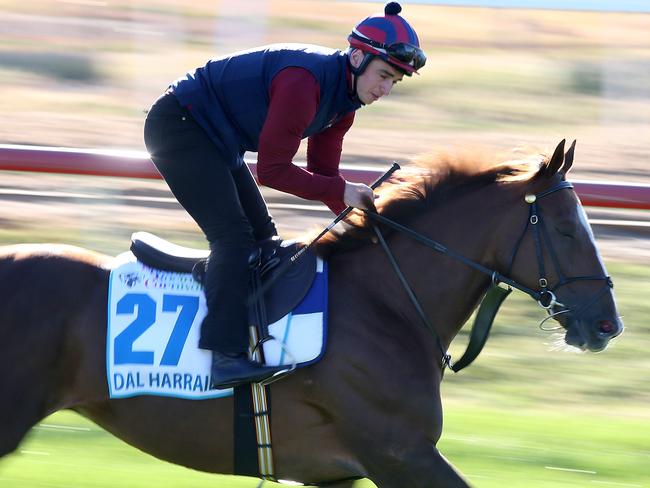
[{"x": 372, "y": 404}]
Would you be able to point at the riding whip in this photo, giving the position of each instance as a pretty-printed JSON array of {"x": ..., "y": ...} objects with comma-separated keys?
[{"x": 285, "y": 265}]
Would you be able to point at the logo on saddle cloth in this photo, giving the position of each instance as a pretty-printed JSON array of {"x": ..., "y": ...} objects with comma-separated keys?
[{"x": 154, "y": 320}]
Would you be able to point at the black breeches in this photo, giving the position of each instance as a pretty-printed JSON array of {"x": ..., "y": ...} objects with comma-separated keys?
[{"x": 227, "y": 206}]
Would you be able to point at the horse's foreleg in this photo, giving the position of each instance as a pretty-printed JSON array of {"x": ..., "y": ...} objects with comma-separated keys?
[{"x": 421, "y": 468}]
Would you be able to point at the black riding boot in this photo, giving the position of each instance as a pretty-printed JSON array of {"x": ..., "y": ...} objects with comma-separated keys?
[
  {"x": 225, "y": 328},
  {"x": 231, "y": 370}
]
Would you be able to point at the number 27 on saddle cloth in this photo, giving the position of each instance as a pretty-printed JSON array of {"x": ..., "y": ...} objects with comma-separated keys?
[{"x": 154, "y": 319}]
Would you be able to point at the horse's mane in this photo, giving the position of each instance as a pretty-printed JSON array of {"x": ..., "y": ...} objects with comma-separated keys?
[{"x": 429, "y": 181}]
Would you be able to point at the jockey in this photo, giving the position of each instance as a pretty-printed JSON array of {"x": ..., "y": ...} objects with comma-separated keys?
[{"x": 267, "y": 100}]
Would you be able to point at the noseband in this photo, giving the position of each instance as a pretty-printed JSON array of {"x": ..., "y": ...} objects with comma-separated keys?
[{"x": 545, "y": 296}]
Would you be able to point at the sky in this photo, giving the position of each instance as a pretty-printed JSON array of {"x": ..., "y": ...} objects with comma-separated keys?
[{"x": 596, "y": 5}]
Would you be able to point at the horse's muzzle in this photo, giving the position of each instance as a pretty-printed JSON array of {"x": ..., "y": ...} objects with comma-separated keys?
[{"x": 592, "y": 335}]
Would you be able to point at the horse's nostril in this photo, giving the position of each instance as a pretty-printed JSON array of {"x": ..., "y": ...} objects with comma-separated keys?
[{"x": 606, "y": 326}]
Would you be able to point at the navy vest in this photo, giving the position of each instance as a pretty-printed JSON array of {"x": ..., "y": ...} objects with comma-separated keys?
[{"x": 229, "y": 96}]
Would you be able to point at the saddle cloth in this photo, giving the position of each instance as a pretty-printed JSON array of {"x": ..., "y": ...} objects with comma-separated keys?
[{"x": 154, "y": 320}]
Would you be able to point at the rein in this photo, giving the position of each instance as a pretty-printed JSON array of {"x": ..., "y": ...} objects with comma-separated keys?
[{"x": 545, "y": 297}]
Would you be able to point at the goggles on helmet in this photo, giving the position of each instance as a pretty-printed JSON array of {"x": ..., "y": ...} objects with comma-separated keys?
[{"x": 400, "y": 51}]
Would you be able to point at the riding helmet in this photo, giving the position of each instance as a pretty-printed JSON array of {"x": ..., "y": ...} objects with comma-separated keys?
[{"x": 390, "y": 37}]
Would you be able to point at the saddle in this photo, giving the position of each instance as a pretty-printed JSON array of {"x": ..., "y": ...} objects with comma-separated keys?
[{"x": 288, "y": 284}]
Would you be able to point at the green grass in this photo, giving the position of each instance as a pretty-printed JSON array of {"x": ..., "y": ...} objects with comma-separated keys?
[
  {"x": 493, "y": 447},
  {"x": 546, "y": 447}
]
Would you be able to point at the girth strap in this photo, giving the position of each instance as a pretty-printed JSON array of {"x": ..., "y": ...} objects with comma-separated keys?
[
  {"x": 253, "y": 450},
  {"x": 253, "y": 403},
  {"x": 262, "y": 413}
]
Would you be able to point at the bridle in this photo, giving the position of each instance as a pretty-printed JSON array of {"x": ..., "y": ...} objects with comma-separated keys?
[{"x": 544, "y": 296}]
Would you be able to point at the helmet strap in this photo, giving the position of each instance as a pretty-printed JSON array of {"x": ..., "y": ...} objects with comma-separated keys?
[{"x": 358, "y": 71}]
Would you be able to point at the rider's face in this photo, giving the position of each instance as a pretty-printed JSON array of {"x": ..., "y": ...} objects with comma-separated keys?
[{"x": 377, "y": 80}]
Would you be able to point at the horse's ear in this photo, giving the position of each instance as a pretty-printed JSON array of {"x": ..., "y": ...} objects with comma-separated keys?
[
  {"x": 568, "y": 158},
  {"x": 556, "y": 160}
]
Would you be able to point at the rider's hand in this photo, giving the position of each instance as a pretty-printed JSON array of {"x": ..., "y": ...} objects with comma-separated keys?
[{"x": 358, "y": 195}]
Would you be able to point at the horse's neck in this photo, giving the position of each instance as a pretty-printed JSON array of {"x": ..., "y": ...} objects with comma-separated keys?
[{"x": 448, "y": 290}]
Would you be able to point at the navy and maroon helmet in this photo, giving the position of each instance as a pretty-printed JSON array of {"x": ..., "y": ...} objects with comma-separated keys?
[{"x": 389, "y": 37}]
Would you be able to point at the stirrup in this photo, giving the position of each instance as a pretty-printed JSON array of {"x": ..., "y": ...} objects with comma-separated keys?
[{"x": 279, "y": 374}]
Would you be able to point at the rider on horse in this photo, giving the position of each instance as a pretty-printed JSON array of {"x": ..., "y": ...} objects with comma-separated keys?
[{"x": 266, "y": 100}]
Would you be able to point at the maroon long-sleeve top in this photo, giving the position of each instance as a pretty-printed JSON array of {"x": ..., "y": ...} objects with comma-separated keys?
[{"x": 294, "y": 98}]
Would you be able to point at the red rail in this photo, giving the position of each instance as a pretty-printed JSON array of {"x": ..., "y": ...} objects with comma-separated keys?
[{"x": 135, "y": 164}]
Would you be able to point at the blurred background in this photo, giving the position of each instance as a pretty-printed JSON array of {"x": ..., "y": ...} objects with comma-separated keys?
[{"x": 82, "y": 73}]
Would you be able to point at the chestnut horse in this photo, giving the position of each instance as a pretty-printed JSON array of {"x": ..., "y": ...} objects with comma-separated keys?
[{"x": 372, "y": 404}]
